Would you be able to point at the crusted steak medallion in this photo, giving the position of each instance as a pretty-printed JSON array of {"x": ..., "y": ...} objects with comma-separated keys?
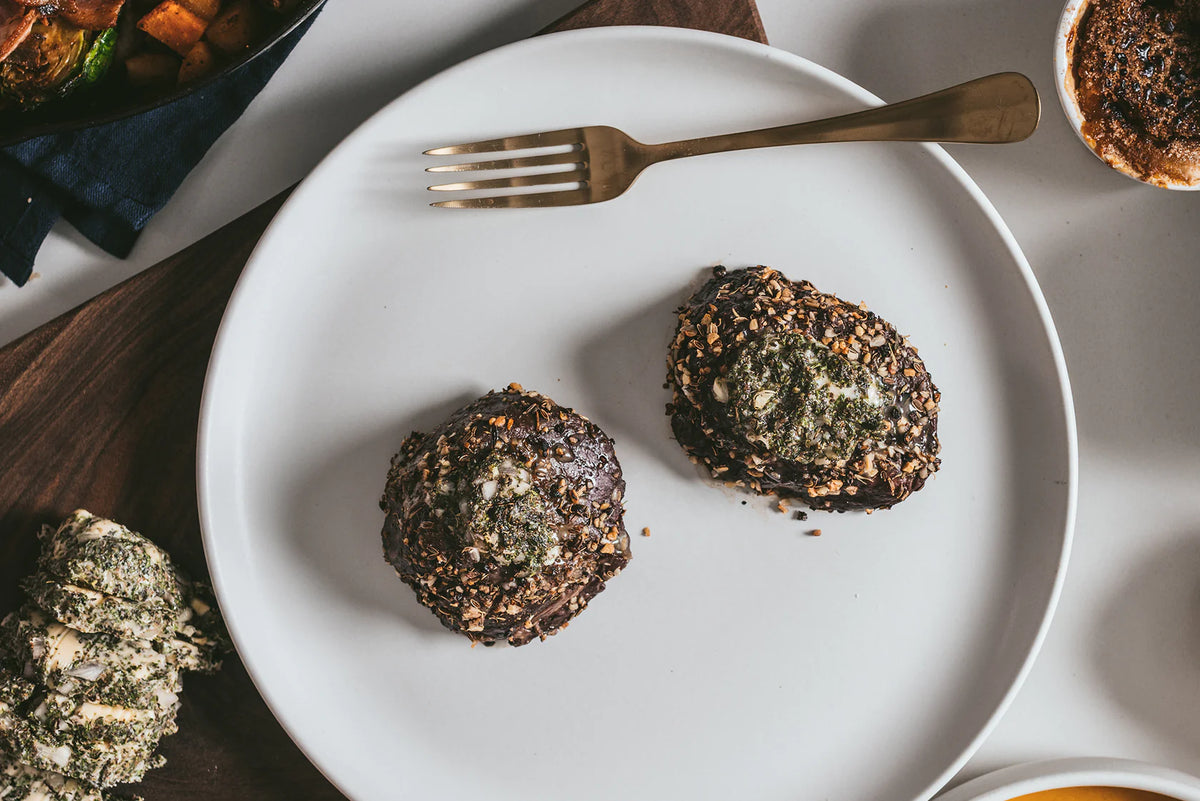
[
  {"x": 506, "y": 520},
  {"x": 789, "y": 391}
]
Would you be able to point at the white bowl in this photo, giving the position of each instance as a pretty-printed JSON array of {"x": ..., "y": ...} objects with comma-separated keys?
[
  {"x": 1010, "y": 783},
  {"x": 1064, "y": 82}
]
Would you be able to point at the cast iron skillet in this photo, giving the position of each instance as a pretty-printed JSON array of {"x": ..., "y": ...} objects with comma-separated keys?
[{"x": 112, "y": 101}]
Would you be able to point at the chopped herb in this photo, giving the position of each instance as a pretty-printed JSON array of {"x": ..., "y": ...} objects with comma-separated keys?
[
  {"x": 802, "y": 400},
  {"x": 501, "y": 512},
  {"x": 22, "y": 783},
  {"x": 506, "y": 520},
  {"x": 90, "y": 671},
  {"x": 783, "y": 390}
]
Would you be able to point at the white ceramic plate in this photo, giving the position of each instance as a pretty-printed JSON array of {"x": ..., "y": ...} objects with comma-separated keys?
[{"x": 736, "y": 657}]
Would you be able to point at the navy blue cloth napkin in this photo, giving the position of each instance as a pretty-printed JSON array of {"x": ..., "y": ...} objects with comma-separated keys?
[{"x": 108, "y": 181}]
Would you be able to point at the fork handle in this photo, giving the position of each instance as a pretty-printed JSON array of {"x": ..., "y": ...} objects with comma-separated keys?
[{"x": 995, "y": 109}]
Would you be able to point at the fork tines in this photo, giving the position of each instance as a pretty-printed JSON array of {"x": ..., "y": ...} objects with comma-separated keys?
[
  {"x": 565, "y": 136},
  {"x": 572, "y": 159}
]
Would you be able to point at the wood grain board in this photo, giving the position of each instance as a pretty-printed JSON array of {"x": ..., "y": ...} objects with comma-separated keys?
[
  {"x": 99, "y": 409},
  {"x": 734, "y": 18}
]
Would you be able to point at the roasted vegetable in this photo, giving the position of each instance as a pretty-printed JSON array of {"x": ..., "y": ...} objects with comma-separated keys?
[
  {"x": 174, "y": 25},
  {"x": 237, "y": 27},
  {"x": 100, "y": 57},
  {"x": 200, "y": 62},
  {"x": 152, "y": 70},
  {"x": 55, "y": 60},
  {"x": 15, "y": 23},
  {"x": 51, "y": 48},
  {"x": 205, "y": 9}
]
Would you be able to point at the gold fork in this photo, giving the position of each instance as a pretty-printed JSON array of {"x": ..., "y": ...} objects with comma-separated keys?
[{"x": 604, "y": 161}]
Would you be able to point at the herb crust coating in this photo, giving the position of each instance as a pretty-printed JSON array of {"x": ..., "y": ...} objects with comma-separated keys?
[
  {"x": 788, "y": 391},
  {"x": 507, "y": 519}
]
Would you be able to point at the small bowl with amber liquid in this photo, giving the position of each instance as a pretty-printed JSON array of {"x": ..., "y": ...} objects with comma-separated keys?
[
  {"x": 1080, "y": 779},
  {"x": 1128, "y": 74}
]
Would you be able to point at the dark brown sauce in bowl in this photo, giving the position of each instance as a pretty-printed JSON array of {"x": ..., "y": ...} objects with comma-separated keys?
[{"x": 1136, "y": 71}]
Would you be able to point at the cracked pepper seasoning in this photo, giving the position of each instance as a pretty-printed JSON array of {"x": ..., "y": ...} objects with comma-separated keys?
[
  {"x": 787, "y": 391},
  {"x": 506, "y": 520}
]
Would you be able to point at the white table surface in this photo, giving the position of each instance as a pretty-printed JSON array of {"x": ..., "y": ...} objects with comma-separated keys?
[{"x": 1120, "y": 672}]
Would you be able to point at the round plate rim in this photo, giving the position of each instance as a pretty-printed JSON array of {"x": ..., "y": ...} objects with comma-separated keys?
[{"x": 222, "y": 343}]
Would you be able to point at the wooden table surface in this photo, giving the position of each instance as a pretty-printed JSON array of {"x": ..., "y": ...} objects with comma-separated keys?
[{"x": 99, "y": 409}]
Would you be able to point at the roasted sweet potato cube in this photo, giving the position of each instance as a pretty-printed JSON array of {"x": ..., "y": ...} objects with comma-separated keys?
[
  {"x": 152, "y": 69},
  {"x": 240, "y": 25},
  {"x": 204, "y": 9},
  {"x": 173, "y": 25},
  {"x": 200, "y": 61}
]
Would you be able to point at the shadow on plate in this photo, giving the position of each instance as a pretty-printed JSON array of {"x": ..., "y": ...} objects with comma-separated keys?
[
  {"x": 1147, "y": 661},
  {"x": 333, "y": 513},
  {"x": 623, "y": 368},
  {"x": 909, "y": 48}
]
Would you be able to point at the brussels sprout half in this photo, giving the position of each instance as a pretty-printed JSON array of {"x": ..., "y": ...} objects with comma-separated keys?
[{"x": 55, "y": 60}]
